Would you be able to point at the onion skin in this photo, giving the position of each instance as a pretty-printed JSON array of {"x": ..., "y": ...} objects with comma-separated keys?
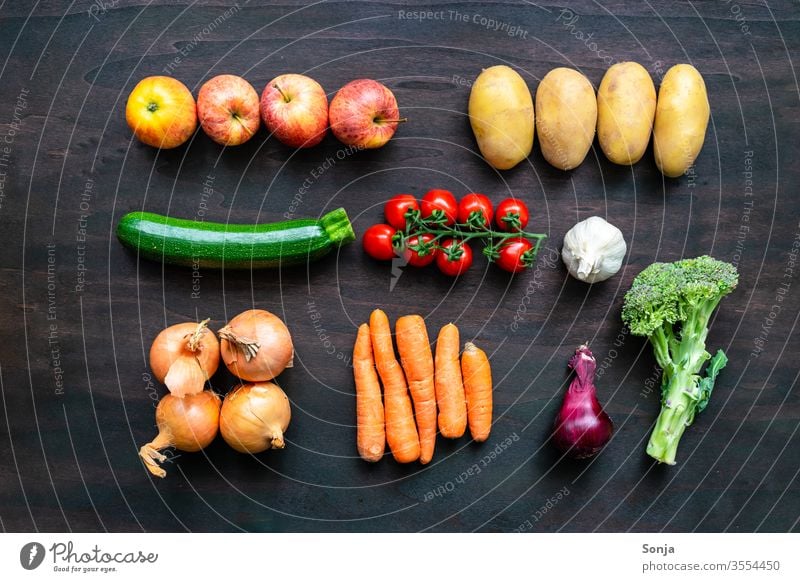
[
  {"x": 582, "y": 428},
  {"x": 193, "y": 368},
  {"x": 268, "y": 334},
  {"x": 189, "y": 424},
  {"x": 192, "y": 421},
  {"x": 254, "y": 417}
]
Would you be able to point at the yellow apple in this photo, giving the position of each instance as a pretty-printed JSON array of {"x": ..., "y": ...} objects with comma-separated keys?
[{"x": 161, "y": 112}]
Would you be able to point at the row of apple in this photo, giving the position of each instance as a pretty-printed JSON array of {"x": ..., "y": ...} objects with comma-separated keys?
[{"x": 162, "y": 112}]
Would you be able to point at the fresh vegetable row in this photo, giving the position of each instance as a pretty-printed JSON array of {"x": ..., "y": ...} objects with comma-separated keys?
[
  {"x": 162, "y": 112},
  {"x": 438, "y": 228},
  {"x": 567, "y": 114},
  {"x": 671, "y": 303},
  {"x": 435, "y": 229},
  {"x": 235, "y": 246},
  {"x": 461, "y": 391},
  {"x": 255, "y": 346}
]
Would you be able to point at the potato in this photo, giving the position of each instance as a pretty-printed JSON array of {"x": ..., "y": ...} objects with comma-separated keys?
[
  {"x": 566, "y": 117},
  {"x": 626, "y": 106},
  {"x": 682, "y": 115},
  {"x": 501, "y": 115}
]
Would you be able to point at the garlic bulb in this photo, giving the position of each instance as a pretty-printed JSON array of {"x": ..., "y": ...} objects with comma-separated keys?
[{"x": 593, "y": 250}]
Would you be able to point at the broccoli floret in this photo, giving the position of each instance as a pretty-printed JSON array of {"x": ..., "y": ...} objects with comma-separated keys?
[{"x": 671, "y": 304}]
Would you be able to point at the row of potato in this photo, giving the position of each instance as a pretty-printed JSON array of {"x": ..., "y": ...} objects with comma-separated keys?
[{"x": 624, "y": 113}]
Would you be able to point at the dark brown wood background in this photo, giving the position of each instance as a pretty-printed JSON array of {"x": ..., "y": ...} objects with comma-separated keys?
[{"x": 68, "y": 457}]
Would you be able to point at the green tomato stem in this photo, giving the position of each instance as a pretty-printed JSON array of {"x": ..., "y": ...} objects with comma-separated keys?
[
  {"x": 466, "y": 235},
  {"x": 464, "y": 232}
]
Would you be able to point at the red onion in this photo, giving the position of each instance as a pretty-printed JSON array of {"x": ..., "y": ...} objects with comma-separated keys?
[{"x": 582, "y": 428}]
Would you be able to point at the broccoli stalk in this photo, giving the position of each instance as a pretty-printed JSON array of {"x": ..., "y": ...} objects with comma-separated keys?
[{"x": 671, "y": 304}]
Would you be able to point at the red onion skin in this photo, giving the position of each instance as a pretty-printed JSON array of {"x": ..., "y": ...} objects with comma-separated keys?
[{"x": 582, "y": 427}]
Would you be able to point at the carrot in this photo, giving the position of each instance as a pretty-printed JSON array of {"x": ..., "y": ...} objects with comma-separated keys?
[
  {"x": 449, "y": 389},
  {"x": 401, "y": 432},
  {"x": 417, "y": 361},
  {"x": 371, "y": 436},
  {"x": 478, "y": 389}
]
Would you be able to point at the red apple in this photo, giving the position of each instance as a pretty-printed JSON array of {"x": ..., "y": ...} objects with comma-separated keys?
[
  {"x": 364, "y": 114},
  {"x": 294, "y": 109},
  {"x": 161, "y": 112},
  {"x": 227, "y": 106}
]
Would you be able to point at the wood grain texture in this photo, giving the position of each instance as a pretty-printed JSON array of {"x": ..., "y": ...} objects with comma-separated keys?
[{"x": 68, "y": 456}]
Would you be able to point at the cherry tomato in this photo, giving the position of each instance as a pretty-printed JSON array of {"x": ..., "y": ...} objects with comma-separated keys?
[
  {"x": 440, "y": 200},
  {"x": 475, "y": 203},
  {"x": 377, "y": 242},
  {"x": 510, "y": 208},
  {"x": 395, "y": 210},
  {"x": 457, "y": 266},
  {"x": 413, "y": 257},
  {"x": 513, "y": 257}
]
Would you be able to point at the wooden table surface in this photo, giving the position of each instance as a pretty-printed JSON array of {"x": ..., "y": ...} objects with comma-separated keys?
[{"x": 78, "y": 315}]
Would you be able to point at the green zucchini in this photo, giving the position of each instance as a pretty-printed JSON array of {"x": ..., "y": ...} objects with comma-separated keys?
[{"x": 234, "y": 246}]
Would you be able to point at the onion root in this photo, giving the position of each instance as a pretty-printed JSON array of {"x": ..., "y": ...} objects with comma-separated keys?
[
  {"x": 189, "y": 424},
  {"x": 151, "y": 456}
]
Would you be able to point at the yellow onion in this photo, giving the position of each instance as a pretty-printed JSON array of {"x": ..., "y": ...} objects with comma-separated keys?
[
  {"x": 254, "y": 417},
  {"x": 256, "y": 346},
  {"x": 189, "y": 424},
  {"x": 184, "y": 357}
]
